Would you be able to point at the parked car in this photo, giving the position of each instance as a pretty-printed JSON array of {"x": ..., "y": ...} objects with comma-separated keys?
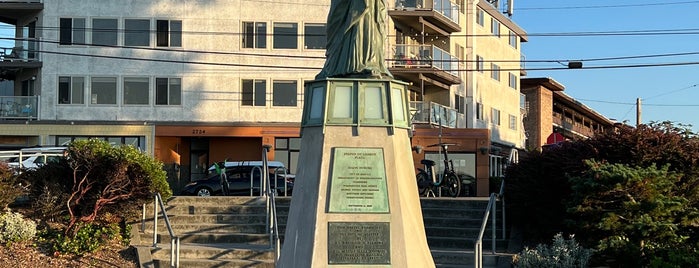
[
  {"x": 243, "y": 178},
  {"x": 33, "y": 158}
]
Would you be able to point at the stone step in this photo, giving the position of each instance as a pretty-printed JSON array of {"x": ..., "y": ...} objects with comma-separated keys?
[
  {"x": 208, "y": 263},
  {"x": 223, "y": 200},
  {"x": 210, "y": 227},
  {"x": 209, "y": 209},
  {"x": 215, "y": 218},
  {"x": 468, "y": 232},
  {"x": 221, "y": 251},
  {"x": 448, "y": 202},
  {"x": 461, "y": 258},
  {"x": 210, "y": 238},
  {"x": 464, "y": 243}
]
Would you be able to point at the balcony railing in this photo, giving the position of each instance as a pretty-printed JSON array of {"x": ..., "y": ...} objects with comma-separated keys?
[
  {"x": 434, "y": 113},
  {"x": 19, "y": 107},
  {"x": 424, "y": 56},
  {"x": 24, "y": 50},
  {"x": 444, "y": 7}
]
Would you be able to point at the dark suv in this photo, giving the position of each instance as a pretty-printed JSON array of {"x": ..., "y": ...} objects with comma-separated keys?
[{"x": 243, "y": 179}]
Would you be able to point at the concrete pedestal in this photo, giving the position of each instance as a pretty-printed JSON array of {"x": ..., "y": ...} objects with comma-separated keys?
[{"x": 355, "y": 200}]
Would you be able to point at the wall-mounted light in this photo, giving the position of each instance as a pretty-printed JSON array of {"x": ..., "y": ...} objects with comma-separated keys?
[{"x": 484, "y": 150}]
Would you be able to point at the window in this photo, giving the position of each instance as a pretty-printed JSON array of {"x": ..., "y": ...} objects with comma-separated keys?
[
  {"x": 285, "y": 35},
  {"x": 104, "y": 32},
  {"x": 168, "y": 91},
  {"x": 495, "y": 116},
  {"x": 495, "y": 27},
  {"x": 103, "y": 90},
  {"x": 513, "y": 39},
  {"x": 513, "y": 81},
  {"x": 284, "y": 93},
  {"x": 459, "y": 103},
  {"x": 286, "y": 150},
  {"x": 496, "y": 166},
  {"x": 513, "y": 122},
  {"x": 314, "y": 36},
  {"x": 480, "y": 17},
  {"x": 254, "y": 34},
  {"x": 136, "y": 91},
  {"x": 72, "y": 31},
  {"x": 169, "y": 33},
  {"x": 479, "y": 111},
  {"x": 495, "y": 72},
  {"x": 479, "y": 63},
  {"x": 254, "y": 92},
  {"x": 71, "y": 90},
  {"x": 135, "y": 141},
  {"x": 137, "y": 32}
]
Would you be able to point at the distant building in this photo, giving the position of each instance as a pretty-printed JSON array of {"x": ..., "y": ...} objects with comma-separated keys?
[
  {"x": 552, "y": 116},
  {"x": 194, "y": 82}
]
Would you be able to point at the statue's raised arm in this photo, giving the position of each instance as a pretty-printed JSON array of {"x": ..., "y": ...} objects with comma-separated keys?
[{"x": 356, "y": 31}]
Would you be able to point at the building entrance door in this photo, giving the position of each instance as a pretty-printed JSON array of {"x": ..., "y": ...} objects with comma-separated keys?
[{"x": 199, "y": 158}]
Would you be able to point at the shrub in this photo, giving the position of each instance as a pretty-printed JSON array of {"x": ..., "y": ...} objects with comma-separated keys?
[
  {"x": 10, "y": 187},
  {"x": 562, "y": 253},
  {"x": 88, "y": 238},
  {"x": 15, "y": 228}
]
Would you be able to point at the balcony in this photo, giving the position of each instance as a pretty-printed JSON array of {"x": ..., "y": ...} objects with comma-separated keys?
[
  {"x": 19, "y": 107},
  {"x": 428, "y": 63},
  {"x": 435, "y": 114},
  {"x": 13, "y": 11},
  {"x": 438, "y": 17},
  {"x": 16, "y": 60}
]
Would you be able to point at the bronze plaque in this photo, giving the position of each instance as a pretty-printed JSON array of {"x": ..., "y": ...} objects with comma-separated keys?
[
  {"x": 358, "y": 181},
  {"x": 359, "y": 243}
]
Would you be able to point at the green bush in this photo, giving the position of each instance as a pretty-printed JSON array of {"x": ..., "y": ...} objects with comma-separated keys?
[
  {"x": 562, "y": 253},
  {"x": 15, "y": 228},
  {"x": 10, "y": 187},
  {"x": 87, "y": 239}
]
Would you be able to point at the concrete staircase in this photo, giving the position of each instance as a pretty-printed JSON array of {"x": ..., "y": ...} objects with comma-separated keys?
[
  {"x": 452, "y": 226},
  {"x": 231, "y": 232}
]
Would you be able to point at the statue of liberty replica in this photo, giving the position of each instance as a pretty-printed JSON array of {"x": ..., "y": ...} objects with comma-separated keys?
[{"x": 355, "y": 200}]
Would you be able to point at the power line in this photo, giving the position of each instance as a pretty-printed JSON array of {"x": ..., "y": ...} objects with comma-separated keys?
[{"x": 645, "y": 104}]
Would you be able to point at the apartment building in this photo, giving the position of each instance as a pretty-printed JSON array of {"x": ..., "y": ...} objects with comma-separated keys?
[
  {"x": 462, "y": 59},
  {"x": 192, "y": 82},
  {"x": 553, "y": 116}
]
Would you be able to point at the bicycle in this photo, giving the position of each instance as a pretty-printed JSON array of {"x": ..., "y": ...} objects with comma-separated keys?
[{"x": 427, "y": 182}]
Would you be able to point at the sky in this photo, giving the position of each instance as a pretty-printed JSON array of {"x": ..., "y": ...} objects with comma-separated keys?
[{"x": 668, "y": 93}]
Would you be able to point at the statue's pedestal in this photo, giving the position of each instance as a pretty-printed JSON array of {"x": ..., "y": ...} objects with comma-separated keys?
[{"x": 355, "y": 200}]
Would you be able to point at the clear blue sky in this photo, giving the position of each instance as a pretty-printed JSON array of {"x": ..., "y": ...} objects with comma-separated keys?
[{"x": 667, "y": 93}]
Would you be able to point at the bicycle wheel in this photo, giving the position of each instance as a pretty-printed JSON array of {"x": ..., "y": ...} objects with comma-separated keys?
[
  {"x": 423, "y": 183},
  {"x": 452, "y": 185}
]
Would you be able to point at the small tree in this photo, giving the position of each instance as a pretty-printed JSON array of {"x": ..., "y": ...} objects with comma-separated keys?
[{"x": 630, "y": 212}]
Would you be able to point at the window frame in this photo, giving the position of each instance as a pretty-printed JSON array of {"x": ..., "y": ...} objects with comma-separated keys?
[
  {"x": 125, "y": 91},
  {"x": 512, "y": 80},
  {"x": 168, "y": 35},
  {"x": 170, "y": 87},
  {"x": 513, "y": 40},
  {"x": 254, "y": 93},
  {"x": 71, "y": 91},
  {"x": 479, "y": 111},
  {"x": 495, "y": 27},
  {"x": 95, "y": 97},
  {"x": 104, "y": 32},
  {"x": 495, "y": 71},
  {"x": 137, "y": 33},
  {"x": 72, "y": 31},
  {"x": 480, "y": 65},
  {"x": 280, "y": 103},
  {"x": 322, "y": 38},
  {"x": 258, "y": 39},
  {"x": 480, "y": 17},
  {"x": 513, "y": 122},
  {"x": 279, "y": 39},
  {"x": 495, "y": 116}
]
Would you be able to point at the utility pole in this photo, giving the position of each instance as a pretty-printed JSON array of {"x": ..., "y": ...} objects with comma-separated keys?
[{"x": 638, "y": 112}]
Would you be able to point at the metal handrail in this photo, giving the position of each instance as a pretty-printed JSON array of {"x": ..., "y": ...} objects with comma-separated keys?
[
  {"x": 478, "y": 247},
  {"x": 174, "y": 240},
  {"x": 270, "y": 194},
  {"x": 252, "y": 180}
]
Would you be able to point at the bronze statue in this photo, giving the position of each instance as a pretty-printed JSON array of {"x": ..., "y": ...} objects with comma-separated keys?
[{"x": 356, "y": 31}]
